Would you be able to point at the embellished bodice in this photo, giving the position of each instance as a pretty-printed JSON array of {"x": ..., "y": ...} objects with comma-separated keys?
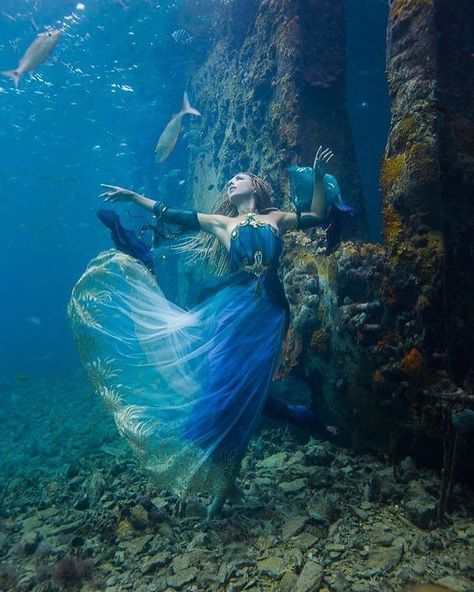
[
  {"x": 255, "y": 246},
  {"x": 254, "y": 253}
]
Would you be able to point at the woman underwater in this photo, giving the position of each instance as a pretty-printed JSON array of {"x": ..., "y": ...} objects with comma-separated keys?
[{"x": 187, "y": 387}]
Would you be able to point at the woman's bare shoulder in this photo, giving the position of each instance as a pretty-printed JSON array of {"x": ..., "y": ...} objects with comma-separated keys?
[{"x": 284, "y": 220}]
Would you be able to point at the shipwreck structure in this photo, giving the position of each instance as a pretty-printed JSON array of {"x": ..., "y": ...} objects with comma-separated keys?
[{"x": 382, "y": 334}]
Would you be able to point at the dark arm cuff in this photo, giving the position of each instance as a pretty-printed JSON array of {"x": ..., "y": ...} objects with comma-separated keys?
[
  {"x": 307, "y": 220},
  {"x": 184, "y": 218}
]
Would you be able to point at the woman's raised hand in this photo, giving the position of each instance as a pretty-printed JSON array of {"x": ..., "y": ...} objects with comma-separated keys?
[
  {"x": 320, "y": 160},
  {"x": 116, "y": 193}
]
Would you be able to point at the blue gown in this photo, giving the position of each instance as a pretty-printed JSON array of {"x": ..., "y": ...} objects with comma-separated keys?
[{"x": 185, "y": 387}]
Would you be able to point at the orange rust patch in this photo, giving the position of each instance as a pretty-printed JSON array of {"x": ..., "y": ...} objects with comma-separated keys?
[
  {"x": 378, "y": 377},
  {"x": 392, "y": 228},
  {"x": 402, "y": 8},
  {"x": 413, "y": 363}
]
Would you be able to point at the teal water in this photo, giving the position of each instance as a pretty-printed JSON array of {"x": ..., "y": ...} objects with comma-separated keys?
[
  {"x": 92, "y": 113},
  {"x": 77, "y": 509}
]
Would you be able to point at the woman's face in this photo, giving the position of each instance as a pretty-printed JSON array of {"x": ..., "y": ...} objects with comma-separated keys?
[{"x": 239, "y": 188}]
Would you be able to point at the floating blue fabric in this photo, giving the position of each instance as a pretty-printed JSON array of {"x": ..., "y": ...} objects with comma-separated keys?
[
  {"x": 186, "y": 388},
  {"x": 301, "y": 190},
  {"x": 126, "y": 240}
]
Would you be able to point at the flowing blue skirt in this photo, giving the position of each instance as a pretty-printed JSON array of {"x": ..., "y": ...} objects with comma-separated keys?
[{"x": 185, "y": 387}]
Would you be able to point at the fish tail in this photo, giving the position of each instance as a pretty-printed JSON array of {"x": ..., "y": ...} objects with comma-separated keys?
[
  {"x": 186, "y": 108},
  {"x": 14, "y": 74}
]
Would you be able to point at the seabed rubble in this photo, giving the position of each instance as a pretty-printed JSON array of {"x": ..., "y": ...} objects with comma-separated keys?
[{"x": 78, "y": 512}]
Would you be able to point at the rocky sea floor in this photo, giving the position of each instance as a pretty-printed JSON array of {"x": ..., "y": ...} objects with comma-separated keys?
[{"x": 78, "y": 513}]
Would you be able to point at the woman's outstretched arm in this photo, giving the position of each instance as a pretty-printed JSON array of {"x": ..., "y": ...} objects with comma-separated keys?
[
  {"x": 115, "y": 193},
  {"x": 212, "y": 223}
]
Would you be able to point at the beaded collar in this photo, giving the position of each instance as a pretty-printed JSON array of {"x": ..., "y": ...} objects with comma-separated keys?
[{"x": 251, "y": 220}]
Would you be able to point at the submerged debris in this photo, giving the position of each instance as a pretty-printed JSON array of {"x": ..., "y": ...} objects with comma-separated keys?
[{"x": 313, "y": 517}]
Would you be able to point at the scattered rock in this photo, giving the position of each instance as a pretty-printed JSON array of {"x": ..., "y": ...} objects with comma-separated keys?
[
  {"x": 82, "y": 503},
  {"x": 359, "y": 512},
  {"x": 320, "y": 511},
  {"x": 137, "y": 545},
  {"x": 275, "y": 461},
  {"x": 304, "y": 541},
  {"x": 421, "y": 512},
  {"x": 138, "y": 517},
  {"x": 274, "y": 567},
  {"x": 384, "y": 559},
  {"x": 456, "y": 584},
  {"x": 419, "y": 568},
  {"x": 185, "y": 576},
  {"x": 293, "y": 526},
  {"x": 156, "y": 562},
  {"x": 318, "y": 455},
  {"x": 407, "y": 470},
  {"x": 296, "y": 486},
  {"x": 66, "y": 528},
  {"x": 288, "y": 582},
  {"x": 325, "y": 509},
  {"x": 310, "y": 578},
  {"x": 29, "y": 542}
]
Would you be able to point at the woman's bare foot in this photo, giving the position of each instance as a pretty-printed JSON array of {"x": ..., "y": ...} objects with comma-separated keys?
[
  {"x": 235, "y": 494},
  {"x": 215, "y": 507}
]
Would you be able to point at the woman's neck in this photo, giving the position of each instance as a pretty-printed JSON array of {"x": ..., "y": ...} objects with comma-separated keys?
[
  {"x": 247, "y": 207},
  {"x": 245, "y": 211}
]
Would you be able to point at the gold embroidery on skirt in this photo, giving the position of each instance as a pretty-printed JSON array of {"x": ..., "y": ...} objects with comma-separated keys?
[{"x": 257, "y": 268}]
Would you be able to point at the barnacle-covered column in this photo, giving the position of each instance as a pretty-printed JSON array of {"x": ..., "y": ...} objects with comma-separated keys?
[
  {"x": 271, "y": 90},
  {"x": 388, "y": 342},
  {"x": 410, "y": 177},
  {"x": 427, "y": 172}
]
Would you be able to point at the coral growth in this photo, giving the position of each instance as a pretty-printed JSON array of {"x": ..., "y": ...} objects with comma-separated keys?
[
  {"x": 290, "y": 355},
  {"x": 391, "y": 172},
  {"x": 302, "y": 290},
  {"x": 320, "y": 343}
]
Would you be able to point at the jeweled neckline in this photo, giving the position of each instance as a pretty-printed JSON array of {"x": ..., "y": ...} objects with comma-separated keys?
[
  {"x": 235, "y": 231},
  {"x": 251, "y": 220}
]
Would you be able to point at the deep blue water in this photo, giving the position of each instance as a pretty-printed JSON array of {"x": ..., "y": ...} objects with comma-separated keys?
[{"x": 92, "y": 113}]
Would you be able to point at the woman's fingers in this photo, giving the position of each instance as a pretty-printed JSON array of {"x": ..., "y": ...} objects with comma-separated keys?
[
  {"x": 325, "y": 153},
  {"x": 322, "y": 155},
  {"x": 110, "y": 195},
  {"x": 114, "y": 192}
]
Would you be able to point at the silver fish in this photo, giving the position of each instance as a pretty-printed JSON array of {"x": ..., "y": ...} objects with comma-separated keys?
[
  {"x": 35, "y": 55},
  {"x": 169, "y": 137}
]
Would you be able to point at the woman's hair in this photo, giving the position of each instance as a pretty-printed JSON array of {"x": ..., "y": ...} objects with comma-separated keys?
[{"x": 208, "y": 246}]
